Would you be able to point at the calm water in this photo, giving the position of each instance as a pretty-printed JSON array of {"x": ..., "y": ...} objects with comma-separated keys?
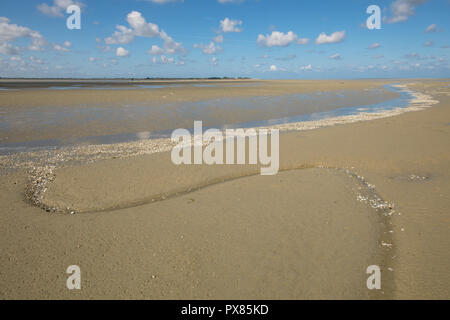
[{"x": 311, "y": 106}]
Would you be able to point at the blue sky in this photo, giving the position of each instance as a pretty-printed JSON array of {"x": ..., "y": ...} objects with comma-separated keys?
[{"x": 204, "y": 38}]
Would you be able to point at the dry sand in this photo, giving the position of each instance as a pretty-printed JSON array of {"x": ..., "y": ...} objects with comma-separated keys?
[{"x": 348, "y": 196}]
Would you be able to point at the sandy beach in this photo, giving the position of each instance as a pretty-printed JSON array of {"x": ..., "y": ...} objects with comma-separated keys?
[{"x": 352, "y": 191}]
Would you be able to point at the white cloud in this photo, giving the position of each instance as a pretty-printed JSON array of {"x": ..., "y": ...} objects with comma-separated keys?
[
  {"x": 273, "y": 68},
  {"x": 163, "y": 60},
  {"x": 277, "y": 39},
  {"x": 164, "y": 1},
  {"x": 122, "y": 35},
  {"x": 36, "y": 60},
  {"x": 306, "y": 68},
  {"x": 228, "y": 25},
  {"x": 213, "y": 61},
  {"x": 230, "y": 1},
  {"x": 374, "y": 45},
  {"x": 8, "y": 49},
  {"x": 58, "y": 8},
  {"x": 68, "y": 44},
  {"x": 432, "y": 28},
  {"x": 428, "y": 43},
  {"x": 335, "y": 56},
  {"x": 11, "y": 32},
  {"x": 401, "y": 10},
  {"x": 122, "y": 52},
  {"x": 15, "y": 58},
  {"x": 412, "y": 55},
  {"x": 303, "y": 41},
  {"x": 37, "y": 41},
  {"x": 211, "y": 48},
  {"x": 141, "y": 28},
  {"x": 218, "y": 39},
  {"x": 170, "y": 46},
  {"x": 91, "y": 59},
  {"x": 156, "y": 50},
  {"x": 59, "y": 48},
  {"x": 335, "y": 37}
]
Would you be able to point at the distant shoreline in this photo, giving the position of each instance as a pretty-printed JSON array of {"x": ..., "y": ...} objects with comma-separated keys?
[{"x": 49, "y": 82}]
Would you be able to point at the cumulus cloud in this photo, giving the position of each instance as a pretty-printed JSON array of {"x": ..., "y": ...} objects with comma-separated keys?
[
  {"x": 170, "y": 46},
  {"x": 11, "y": 32},
  {"x": 139, "y": 27},
  {"x": 302, "y": 41},
  {"x": 60, "y": 48},
  {"x": 230, "y": 1},
  {"x": 335, "y": 56},
  {"x": 432, "y": 28},
  {"x": 163, "y": 60},
  {"x": 58, "y": 8},
  {"x": 306, "y": 68},
  {"x": 335, "y": 37},
  {"x": 413, "y": 55},
  {"x": 8, "y": 49},
  {"x": 218, "y": 39},
  {"x": 36, "y": 60},
  {"x": 156, "y": 50},
  {"x": 401, "y": 10},
  {"x": 213, "y": 61},
  {"x": 374, "y": 45},
  {"x": 164, "y": 1},
  {"x": 211, "y": 48},
  {"x": 279, "y": 39},
  {"x": 122, "y": 52},
  {"x": 228, "y": 25},
  {"x": 122, "y": 35},
  {"x": 273, "y": 68}
]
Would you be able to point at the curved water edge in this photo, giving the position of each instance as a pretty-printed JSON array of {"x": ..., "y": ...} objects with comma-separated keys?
[
  {"x": 296, "y": 122},
  {"x": 39, "y": 154}
]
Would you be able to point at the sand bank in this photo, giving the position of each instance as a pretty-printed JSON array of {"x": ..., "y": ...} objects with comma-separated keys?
[
  {"x": 308, "y": 232},
  {"x": 84, "y": 115}
]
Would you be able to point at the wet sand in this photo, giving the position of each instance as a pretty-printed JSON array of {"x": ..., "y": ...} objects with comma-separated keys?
[
  {"x": 68, "y": 115},
  {"x": 348, "y": 196}
]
